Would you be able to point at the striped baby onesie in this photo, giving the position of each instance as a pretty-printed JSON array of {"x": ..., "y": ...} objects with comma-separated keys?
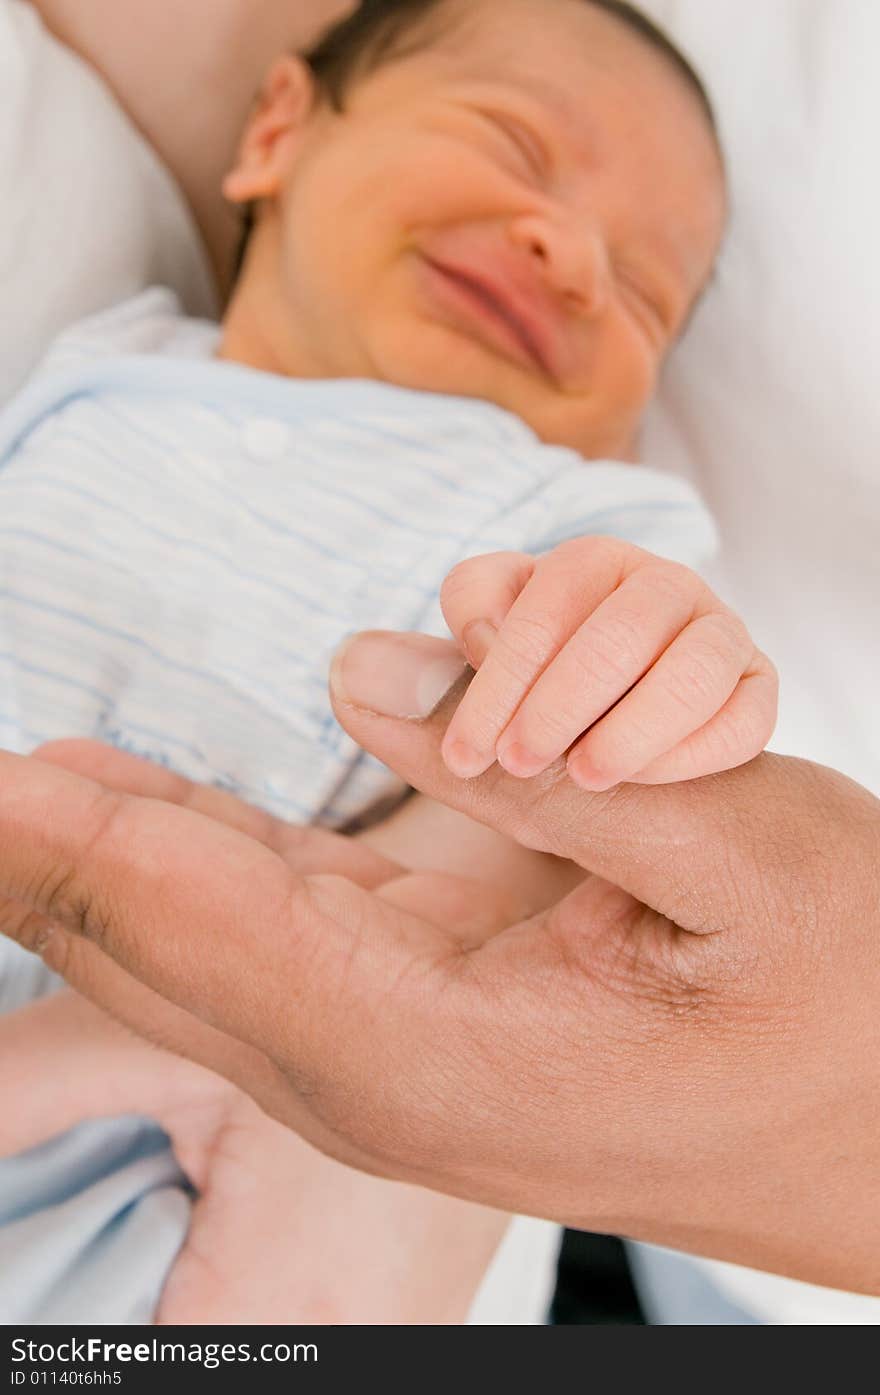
[{"x": 184, "y": 543}]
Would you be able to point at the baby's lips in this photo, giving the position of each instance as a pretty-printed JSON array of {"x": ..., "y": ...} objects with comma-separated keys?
[{"x": 508, "y": 275}]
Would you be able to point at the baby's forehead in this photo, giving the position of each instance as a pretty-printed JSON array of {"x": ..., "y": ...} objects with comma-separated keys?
[
  {"x": 568, "y": 55},
  {"x": 588, "y": 100}
]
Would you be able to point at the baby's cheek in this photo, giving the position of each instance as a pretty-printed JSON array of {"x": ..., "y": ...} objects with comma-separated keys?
[
  {"x": 626, "y": 383},
  {"x": 452, "y": 186},
  {"x": 601, "y": 417},
  {"x": 633, "y": 363}
]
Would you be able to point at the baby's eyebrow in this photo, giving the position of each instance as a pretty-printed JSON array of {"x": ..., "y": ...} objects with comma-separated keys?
[
  {"x": 567, "y": 119},
  {"x": 550, "y": 96},
  {"x": 546, "y": 94}
]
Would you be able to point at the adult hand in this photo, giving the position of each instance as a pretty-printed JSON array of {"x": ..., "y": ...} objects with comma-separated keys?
[
  {"x": 686, "y": 1049},
  {"x": 265, "y": 1198},
  {"x": 304, "y": 856}
]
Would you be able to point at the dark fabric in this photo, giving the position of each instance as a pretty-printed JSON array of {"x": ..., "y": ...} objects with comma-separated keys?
[{"x": 594, "y": 1285}]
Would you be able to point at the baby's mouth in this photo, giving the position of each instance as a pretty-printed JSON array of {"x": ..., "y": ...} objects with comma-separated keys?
[{"x": 479, "y": 307}]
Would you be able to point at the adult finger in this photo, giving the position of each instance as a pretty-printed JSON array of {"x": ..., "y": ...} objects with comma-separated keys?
[
  {"x": 189, "y": 907},
  {"x": 99, "y": 978},
  {"x": 305, "y": 849},
  {"x": 697, "y": 852},
  {"x": 315, "y": 989}
]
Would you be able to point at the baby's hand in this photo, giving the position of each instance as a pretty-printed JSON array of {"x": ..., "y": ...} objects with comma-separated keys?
[
  {"x": 627, "y": 662},
  {"x": 278, "y": 1233}
]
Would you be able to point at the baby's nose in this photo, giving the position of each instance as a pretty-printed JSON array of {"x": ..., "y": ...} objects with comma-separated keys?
[{"x": 573, "y": 260}]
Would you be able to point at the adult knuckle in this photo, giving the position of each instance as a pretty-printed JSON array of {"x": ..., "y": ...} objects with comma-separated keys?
[
  {"x": 64, "y": 897},
  {"x": 65, "y": 892}
]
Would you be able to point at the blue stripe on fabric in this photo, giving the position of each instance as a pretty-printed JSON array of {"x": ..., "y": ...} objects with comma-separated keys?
[
  {"x": 187, "y": 545},
  {"x": 231, "y": 494},
  {"x": 625, "y": 523},
  {"x": 217, "y": 381},
  {"x": 109, "y": 632},
  {"x": 157, "y": 738}
]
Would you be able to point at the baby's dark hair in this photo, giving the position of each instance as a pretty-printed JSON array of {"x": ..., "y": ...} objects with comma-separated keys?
[{"x": 378, "y": 30}]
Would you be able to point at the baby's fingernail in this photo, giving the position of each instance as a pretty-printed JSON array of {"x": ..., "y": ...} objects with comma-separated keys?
[
  {"x": 478, "y": 638},
  {"x": 586, "y": 778},
  {"x": 462, "y": 760},
  {"x": 516, "y": 760},
  {"x": 395, "y": 675}
]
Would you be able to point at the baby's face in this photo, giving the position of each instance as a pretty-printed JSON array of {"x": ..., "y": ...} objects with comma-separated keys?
[{"x": 524, "y": 210}]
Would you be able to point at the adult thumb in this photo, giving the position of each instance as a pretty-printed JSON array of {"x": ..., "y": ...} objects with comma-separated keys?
[{"x": 704, "y": 854}]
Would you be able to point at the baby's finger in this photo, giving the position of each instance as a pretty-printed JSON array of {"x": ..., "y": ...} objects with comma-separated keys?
[
  {"x": 610, "y": 652},
  {"x": 566, "y": 586},
  {"x": 736, "y": 734},
  {"x": 687, "y": 686},
  {"x": 476, "y": 596}
]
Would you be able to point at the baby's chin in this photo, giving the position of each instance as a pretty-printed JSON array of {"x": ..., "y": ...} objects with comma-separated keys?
[
  {"x": 428, "y": 358},
  {"x": 582, "y": 427}
]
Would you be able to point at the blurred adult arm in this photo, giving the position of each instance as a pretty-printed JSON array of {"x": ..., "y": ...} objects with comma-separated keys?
[{"x": 187, "y": 73}]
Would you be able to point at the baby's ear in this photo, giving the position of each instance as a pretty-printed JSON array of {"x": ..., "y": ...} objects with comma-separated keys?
[{"x": 271, "y": 139}]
